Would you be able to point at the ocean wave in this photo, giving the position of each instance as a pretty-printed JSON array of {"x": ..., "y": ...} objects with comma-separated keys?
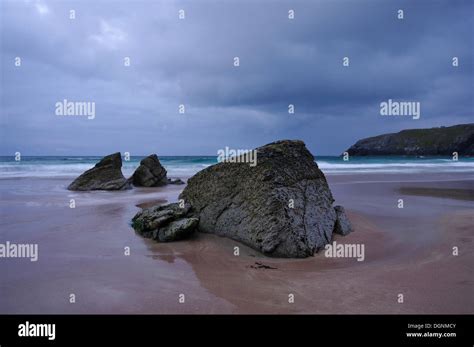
[
  {"x": 188, "y": 166},
  {"x": 74, "y": 170},
  {"x": 410, "y": 167},
  {"x": 328, "y": 165}
]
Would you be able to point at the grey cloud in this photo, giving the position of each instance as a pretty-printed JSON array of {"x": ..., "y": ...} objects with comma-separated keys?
[{"x": 190, "y": 62}]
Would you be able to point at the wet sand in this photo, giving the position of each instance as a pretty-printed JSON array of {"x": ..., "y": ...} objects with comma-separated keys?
[
  {"x": 408, "y": 251},
  {"x": 461, "y": 194}
]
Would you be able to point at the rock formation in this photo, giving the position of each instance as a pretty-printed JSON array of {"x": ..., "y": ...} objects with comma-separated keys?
[
  {"x": 105, "y": 175},
  {"x": 343, "y": 225},
  {"x": 150, "y": 173},
  {"x": 175, "y": 181},
  {"x": 282, "y": 206},
  {"x": 165, "y": 223},
  {"x": 435, "y": 141}
]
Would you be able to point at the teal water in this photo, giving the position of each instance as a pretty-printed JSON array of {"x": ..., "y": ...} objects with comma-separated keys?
[{"x": 70, "y": 166}]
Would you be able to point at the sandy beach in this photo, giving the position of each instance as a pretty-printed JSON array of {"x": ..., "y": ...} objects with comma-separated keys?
[{"x": 408, "y": 251}]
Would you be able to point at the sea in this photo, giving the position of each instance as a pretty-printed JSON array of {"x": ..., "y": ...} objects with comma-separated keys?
[{"x": 186, "y": 166}]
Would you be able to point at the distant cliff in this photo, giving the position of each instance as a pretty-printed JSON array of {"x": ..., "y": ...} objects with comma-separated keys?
[{"x": 434, "y": 141}]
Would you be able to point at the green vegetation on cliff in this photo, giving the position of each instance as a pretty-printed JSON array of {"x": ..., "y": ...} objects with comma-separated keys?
[{"x": 435, "y": 141}]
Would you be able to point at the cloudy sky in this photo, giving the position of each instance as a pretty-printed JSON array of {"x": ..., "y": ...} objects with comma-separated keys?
[{"x": 190, "y": 61}]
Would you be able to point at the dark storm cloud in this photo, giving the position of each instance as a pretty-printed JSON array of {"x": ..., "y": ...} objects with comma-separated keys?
[{"x": 190, "y": 62}]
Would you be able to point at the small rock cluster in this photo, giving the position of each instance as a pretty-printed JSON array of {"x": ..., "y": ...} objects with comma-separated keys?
[
  {"x": 107, "y": 175},
  {"x": 282, "y": 207}
]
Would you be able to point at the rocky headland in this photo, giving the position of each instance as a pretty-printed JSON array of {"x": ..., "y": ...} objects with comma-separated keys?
[{"x": 443, "y": 141}]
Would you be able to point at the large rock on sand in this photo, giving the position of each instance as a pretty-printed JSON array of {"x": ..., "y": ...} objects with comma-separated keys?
[
  {"x": 150, "y": 173},
  {"x": 165, "y": 223},
  {"x": 282, "y": 206},
  {"x": 105, "y": 175}
]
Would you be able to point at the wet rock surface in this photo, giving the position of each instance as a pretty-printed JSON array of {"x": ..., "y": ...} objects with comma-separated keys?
[
  {"x": 105, "y": 175},
  {"x": 281, "y": 207},
  {"x": 165, "y": 223},
  {"x": 150, "y": 173}
]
